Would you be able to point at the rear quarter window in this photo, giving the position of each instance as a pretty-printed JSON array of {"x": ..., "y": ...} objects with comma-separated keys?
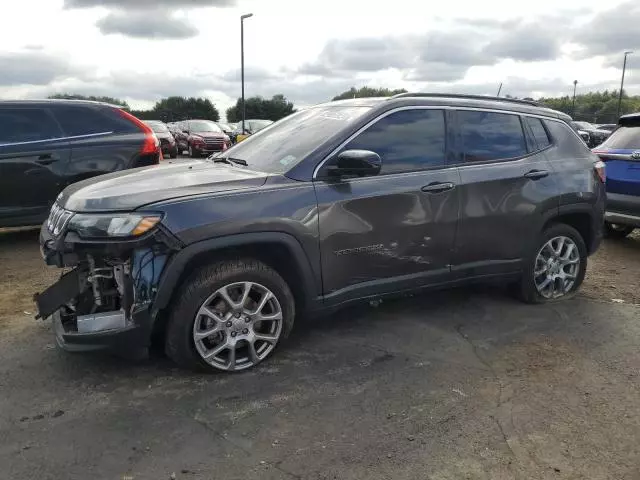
[
  {"x": 568, "y": 143},
  {"x": 88, "y": 120}
]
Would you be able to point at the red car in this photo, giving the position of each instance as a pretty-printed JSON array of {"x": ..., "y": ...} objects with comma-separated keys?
[{"x": 204, "y": 137}]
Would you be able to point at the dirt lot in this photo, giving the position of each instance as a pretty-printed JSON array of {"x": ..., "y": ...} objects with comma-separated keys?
[{"x": 466, "y": 384}]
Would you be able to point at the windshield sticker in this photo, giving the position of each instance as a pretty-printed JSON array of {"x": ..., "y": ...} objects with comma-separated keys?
[{"x": 287, "y": 160}]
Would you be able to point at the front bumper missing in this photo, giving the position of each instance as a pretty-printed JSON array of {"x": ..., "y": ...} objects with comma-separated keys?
[
  {"x": 130, "y": 338},
  {"x": 124, "y": 325}
]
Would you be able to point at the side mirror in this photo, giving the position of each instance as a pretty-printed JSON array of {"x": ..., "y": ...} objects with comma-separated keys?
[{"x": 355, "y": 163}]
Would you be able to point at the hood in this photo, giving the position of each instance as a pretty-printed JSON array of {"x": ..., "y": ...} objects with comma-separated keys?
[
  {"x": 163, "y": 134},
  {"x": 130, "y": 189},
  {"x": 209, "y": 134}
]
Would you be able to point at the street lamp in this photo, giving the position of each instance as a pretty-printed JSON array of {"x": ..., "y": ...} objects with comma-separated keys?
[
  {"x": 573, "y": 107},
  {"x": 624, "y": 67},
  {"x": 242, "y": 17}
]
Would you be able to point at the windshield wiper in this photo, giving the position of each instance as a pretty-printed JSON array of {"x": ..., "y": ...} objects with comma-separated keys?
[{"x": 230, "y": 160}]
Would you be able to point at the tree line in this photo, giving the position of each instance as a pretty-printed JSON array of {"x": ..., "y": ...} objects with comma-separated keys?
[
  {"x": 173, "y": 109},
  {"x": 596, "y": 107}
]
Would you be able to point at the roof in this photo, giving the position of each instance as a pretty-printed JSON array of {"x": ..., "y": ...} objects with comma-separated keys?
[
  {"x": 452, "y": 99},
  {"x": 53, "y": 101}
]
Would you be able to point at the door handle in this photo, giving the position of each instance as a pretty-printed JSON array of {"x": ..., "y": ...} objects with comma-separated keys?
[
  {"x": 47, "y": 159},
  {"x": 438, "y": 187},
  {"x": 536, "y": 174}
]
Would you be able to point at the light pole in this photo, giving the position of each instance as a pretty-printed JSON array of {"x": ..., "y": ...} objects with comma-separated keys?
[
  {"x": 242, "y": 17},
  {"x": 624, "y": 67},
  {"x": 573, "y": 106}
]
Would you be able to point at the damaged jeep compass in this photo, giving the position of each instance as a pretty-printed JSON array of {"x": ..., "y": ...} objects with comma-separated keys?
[{"x": 349, "y": 200}]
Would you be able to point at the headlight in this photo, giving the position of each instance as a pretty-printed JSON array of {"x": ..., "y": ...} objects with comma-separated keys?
[{"x": 112, "y": 225}]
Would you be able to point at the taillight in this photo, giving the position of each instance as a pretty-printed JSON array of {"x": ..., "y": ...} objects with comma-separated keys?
[
  {"x": 151, "y": 144},
  {"x": 600, "y": 169}
]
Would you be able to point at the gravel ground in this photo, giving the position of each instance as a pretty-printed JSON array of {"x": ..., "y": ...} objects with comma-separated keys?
[{"x": 462, "y": 384}]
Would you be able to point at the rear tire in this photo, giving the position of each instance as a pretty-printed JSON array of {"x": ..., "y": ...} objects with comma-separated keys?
[
  {"x": 200, "y": 301},
  {"x": 174, "y": 153},
  {"x": 545, "y": 265},
  {"x": 615, "y": 230}
]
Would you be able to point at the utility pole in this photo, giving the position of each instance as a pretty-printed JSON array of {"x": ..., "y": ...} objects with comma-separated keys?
[
  {"x": 624, "y": 67},
  {"x": 242, "y": 17}
]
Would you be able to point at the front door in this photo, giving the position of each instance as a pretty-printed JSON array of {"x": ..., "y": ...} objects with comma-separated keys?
[
  {"x": 33, "y": 159},
  {"x": 394, "y": 230}
]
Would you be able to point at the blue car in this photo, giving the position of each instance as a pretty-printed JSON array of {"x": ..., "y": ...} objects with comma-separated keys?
[{"x": 621, "y": 154}]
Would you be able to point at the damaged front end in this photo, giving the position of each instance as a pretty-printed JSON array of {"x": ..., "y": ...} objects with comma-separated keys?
[{"x": 104, "y": 299}]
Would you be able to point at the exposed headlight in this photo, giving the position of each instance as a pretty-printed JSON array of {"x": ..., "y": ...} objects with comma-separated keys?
[{"x": 112, "y": 225}]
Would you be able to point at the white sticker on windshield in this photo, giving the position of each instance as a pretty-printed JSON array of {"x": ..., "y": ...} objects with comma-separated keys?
[{"x": 287, "y": 160}]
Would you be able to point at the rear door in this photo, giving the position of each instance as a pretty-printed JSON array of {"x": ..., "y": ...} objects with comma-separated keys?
[
  {"x": 101, "y": 141},
  {"x": 507, "y": 190},
  {"x": 33, "y": 157}
]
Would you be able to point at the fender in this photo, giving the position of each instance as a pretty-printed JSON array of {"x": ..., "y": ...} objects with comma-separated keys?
[{"x": 176, "y": 265}]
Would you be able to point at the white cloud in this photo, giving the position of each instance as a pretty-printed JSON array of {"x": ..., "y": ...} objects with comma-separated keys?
[{"x": 313, "y": 51}]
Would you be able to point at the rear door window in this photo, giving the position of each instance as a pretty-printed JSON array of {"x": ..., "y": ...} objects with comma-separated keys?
[
  {"x": 489, "y": 136},
  {"x": 20, "y": 125},
  {"x": 83, "y": 120}
]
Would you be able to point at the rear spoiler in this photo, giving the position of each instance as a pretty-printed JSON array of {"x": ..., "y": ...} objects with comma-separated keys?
[{"x": 632, "y": 120}]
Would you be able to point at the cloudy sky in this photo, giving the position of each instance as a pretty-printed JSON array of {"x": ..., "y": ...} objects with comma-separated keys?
[{"x": 143, "y": 50}]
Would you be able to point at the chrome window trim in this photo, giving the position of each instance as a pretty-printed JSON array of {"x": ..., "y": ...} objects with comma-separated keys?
[
  {"x": 438, "y": 107},
  {"x": 88, "y": 135}
]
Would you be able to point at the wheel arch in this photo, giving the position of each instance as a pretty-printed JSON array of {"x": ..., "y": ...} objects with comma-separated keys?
[
  {"x": 281, "y": 251},
  {"x": 582, "y": 218}
]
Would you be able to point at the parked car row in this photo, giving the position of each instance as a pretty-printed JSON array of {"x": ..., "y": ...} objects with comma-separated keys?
[{"x": 591, "y": 134}]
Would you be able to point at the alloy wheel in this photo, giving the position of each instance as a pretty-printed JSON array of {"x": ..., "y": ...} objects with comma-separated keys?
[
  {"x": 556, "y": 267},
  {"x": 238, "y": 326}
]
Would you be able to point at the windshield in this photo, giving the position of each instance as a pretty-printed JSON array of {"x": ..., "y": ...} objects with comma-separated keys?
[
  {"x": 157, "y": 127},
  {"x": 259, "y": 124},
  {"x": 204, "y": 126},
  {"x": 624, "y": 138},
  {"x": 584, "y": 125},
  {"x": 282, "y": 145}
]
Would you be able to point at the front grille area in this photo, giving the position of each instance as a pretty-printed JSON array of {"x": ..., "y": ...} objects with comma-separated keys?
[
  {"x": 214, "y": 142},
  {"x": 58, "y": 218}
]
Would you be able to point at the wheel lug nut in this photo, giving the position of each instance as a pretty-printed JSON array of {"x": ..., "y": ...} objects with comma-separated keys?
[
  {"x": 245, "y": 331},
  {"x": 247, "y": 319},
  {"x": 233, "y": 334},
  {"x": 237, "y": 315},
  {"x": 229, "y": 324}
]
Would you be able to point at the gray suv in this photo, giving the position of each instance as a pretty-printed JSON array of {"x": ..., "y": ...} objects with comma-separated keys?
[{"x": 343, "y": 202}]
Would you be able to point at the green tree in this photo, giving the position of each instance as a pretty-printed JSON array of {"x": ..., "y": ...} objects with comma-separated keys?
[
  {"x": 368, "y": 92},
  {"x": 173, "y": 109},
  {"x": 261, "y": 108},
  {"x": 76, "y": 96}
]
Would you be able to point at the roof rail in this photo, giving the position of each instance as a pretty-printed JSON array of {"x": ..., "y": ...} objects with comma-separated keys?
[{"x": 470, "y": 97}]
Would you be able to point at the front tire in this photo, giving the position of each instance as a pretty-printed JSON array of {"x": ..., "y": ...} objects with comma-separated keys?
[
  {"x": 556, "y": 267},
  {"x": 193, "y": 153},
  {"x": 174, "y": 153},
  {"x": 615, "y": 230},
  {"x": 229, "y": 316}
]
